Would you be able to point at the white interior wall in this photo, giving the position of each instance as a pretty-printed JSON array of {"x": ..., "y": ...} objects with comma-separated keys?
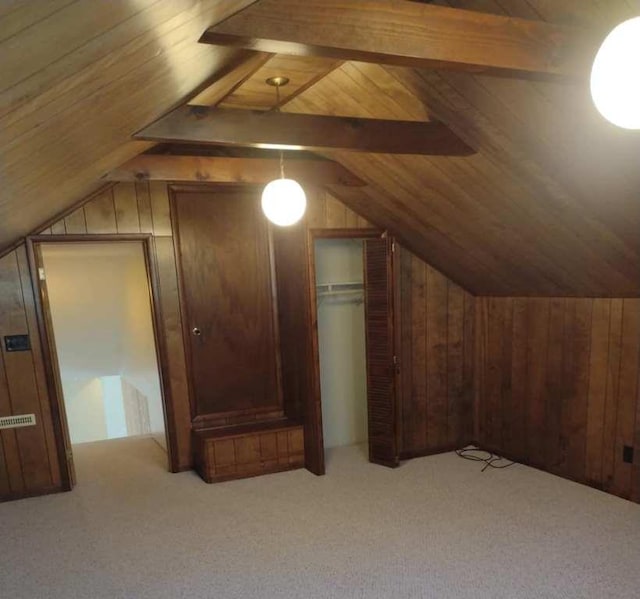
[
  {"x": 101, "y": 314},
  {"x": 85, "y": 409},
  {"x": 341, "y": 338},
  {"x": 139, "y": 366}
]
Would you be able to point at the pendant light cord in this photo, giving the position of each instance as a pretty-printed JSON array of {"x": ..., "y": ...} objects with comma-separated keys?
[{"x": 278, "y": 110}]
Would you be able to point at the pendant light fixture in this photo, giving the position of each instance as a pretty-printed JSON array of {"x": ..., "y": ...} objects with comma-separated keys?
[
  {"x": 283, "y": 200},
  {"x": 615, "y": 77}
]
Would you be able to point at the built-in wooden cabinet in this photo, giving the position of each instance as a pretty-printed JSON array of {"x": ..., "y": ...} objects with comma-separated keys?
[
  {"x": 248, "y": 450},
  {"x": 231, "y": 331}
]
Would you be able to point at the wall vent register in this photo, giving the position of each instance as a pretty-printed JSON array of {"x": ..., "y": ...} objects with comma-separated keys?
[{"x": 17, "y": 421}]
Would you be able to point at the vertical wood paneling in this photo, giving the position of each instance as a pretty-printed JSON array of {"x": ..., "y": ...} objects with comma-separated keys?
[
  {"x": 467, "y": 432},
  {"x": 12, "y": 478},
  {"x": 126, "y": 208},
  {"x": 160, "y": 212},
  {"x": 575, "y": 401},
  {"x": 613, "y": 393},
  {"x": 27, "y": 461},
  {"x": 172, "y": 331},
  {"x": 38, "y": 365},
  {"x": 100, "y": 214},
  {"x": 437, "y": 398},
  {"x": 415, "y": 405},
  {"x": 58, "y": 228},
  {"x": 76, "y": 223},
  {"x": 143, "y": 198},
  {"x": 555, "y": 392},
  {"x": 514, "y": 408},
  {"x": 437, "y": 360},
  {"x": 455, "y": 364},
  {"x": 627, "y": 396},
  {"x": 577, "y": 356}
]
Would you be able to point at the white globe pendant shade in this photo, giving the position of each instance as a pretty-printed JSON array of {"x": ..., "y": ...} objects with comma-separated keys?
[
  {"x": 284, "y": 202},
  {"x": 615, "y": 77}
]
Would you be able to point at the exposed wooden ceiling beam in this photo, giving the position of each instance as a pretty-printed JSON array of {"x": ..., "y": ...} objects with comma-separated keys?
[
  {"x": 230, "y": 78},
  {"x": 405, "y": 33},
  {"x": 222, "y": 169},
  {"x": 250, "y": 128}
]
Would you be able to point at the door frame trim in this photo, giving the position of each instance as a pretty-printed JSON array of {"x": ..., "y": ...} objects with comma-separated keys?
[{"x": 52, "y": 372}]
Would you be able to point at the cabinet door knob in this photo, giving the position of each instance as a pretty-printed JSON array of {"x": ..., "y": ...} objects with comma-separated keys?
[{"x": 196, "y": 331}]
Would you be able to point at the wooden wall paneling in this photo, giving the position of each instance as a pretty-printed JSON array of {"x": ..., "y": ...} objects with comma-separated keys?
[
  {"x": 437, "y": 360},
  {"x": 58, "y": 228},
  {"x": 11, "y": 477},
  {"x": 575, "y": 367},
  {"x": 100, "y": 214},
  {"x": 172, "y": 331},
  {"x": 577, "y": 351},
  {"x": 22, "y": 385},
  {"x": 292, "y": 281},
  {"x": 415, "y": 412},
  {"x": 405, "y": 351},
  {"x": 556, "y": 392},
  {"x": 76, "y": 223},
  {"x": 612, "y": 393},
  {"x": 160, "y": 208},
  {"x": 46, "y": 418},
  {"x": 492, "y": 424},
  {"x": 537, "y": 339},
  {"x": 635, "y": 474},
  {"x": 467, "y": 426},
  {"x": 514, "y": 420},
  {"x": 126, "y": 208},
  {"x": 621, "y": 483},
  {"x": 436, "y": 348},
  {"x": 316, "y": 208},
  {"x": 143, "y": 198},
  {"x": 455, "y": 365},
  {"x": 598, "y": 368}
]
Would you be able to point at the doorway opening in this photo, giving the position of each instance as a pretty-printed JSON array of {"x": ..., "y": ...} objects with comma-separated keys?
[
  {"x": 341, "y": 341},
  {"x": 353, "y": 342},
  {"x": 99, "y": 320}
]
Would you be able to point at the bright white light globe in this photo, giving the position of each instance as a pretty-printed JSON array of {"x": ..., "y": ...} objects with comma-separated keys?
[
  {"x": 284, "y": 202},
  {"x": 615, "y": 77}
]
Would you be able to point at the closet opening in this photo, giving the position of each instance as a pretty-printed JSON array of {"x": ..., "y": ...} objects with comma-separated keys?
[
  {"x": 98, "y": 319},
  {"x": 352, "y": 309}
]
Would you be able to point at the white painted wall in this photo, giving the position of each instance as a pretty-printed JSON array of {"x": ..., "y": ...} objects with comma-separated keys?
[
  {"x": 341, "y": 338},
  {"x": 101, "y": 313},
  {"x": 139, "y": 365},
  {"x": 85, "y": 409}
]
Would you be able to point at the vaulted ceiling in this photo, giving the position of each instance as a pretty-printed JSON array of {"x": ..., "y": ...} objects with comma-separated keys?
[{"x": 549, "y": 204}]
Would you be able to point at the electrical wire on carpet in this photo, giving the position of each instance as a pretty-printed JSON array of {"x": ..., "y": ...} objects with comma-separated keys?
[{"x": 490, "y": 460}]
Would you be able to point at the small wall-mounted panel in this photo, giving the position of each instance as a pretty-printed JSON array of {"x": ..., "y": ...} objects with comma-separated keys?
[
  {"x": 17, "y": 343},
  {"x": 17, "y": 421}
]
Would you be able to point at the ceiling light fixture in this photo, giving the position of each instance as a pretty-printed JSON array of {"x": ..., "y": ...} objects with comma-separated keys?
[
  {"x": 283, "y": 200},
  {"x": 615, "y": 78}
]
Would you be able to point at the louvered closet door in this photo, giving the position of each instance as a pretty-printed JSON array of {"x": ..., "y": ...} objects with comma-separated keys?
[{"x": 381, "y": 398}]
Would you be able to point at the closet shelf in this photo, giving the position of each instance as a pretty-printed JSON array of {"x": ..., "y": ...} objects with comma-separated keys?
[
  {"x": 351, "y": 291},
  {"x": 348, "y": 286}
]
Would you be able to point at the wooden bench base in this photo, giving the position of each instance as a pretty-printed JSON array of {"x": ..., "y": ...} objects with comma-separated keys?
[{"x": 248, "y": 450}]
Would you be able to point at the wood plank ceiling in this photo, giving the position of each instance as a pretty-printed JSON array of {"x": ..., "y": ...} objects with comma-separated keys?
[{"x": 548, "y": 206}]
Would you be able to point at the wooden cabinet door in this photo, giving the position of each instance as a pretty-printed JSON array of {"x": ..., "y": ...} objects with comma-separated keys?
[
  {"x": 381, "y": 388},
  {"x": 227, "y": 292}
]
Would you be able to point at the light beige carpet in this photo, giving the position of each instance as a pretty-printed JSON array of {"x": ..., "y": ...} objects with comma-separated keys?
[{"x": 435, "y": 527}]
